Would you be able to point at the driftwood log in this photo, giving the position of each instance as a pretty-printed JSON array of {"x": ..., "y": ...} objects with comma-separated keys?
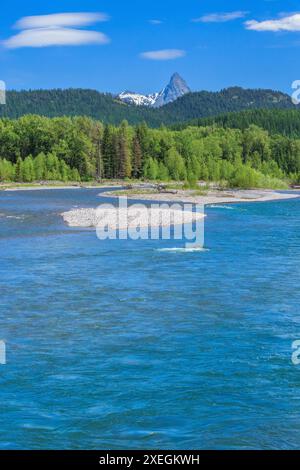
[{"x": 162, "y": 188}]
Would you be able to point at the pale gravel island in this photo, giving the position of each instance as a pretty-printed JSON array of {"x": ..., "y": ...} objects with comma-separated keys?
[{"x": 131, "y": 218}]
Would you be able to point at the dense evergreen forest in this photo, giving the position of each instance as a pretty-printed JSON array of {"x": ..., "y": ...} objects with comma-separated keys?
[
  {"x": 275, "y": 121},
  {"x": 108, "y": 109},
  {"x": 73, "y": 148}
]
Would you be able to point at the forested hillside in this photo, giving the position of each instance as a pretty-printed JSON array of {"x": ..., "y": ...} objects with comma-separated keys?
[
  {"x": 106, "y": 108},
  {"x": 39, "y": 148},
  {"x": 275, "y": 121},
  {"x": 72, "y": 102}
]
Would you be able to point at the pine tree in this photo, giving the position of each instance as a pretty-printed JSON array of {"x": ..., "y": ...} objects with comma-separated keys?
[
  {"x": 107, "y": 151},
  {"x": 125, "y": 168},
  {"x": 142, "y": 132},
  {"x": 137, "y": 158},
  {"x": 96, "y": 135},
  {"x": 99, "y": 161},
  {"x": 115, "y": 157},
  {"x": 124, "y": 158}
]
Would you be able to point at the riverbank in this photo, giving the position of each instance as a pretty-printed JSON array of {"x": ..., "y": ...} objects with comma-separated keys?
[
  {"x": 57, "y": 185},
  {"x": 211, "y": 196},
  {"x": 148, "y": 192}
]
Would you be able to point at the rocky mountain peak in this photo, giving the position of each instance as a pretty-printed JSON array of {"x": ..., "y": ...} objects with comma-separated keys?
[{"x": 176, "y": 88}]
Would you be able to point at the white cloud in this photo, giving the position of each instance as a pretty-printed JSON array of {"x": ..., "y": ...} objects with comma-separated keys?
[
  {"x": 164, "y": 54},
  {"x": 44, "y": 37},
  {"x": 155, "y": 22},
  {"x": 287, "y": 23},
  {"x": 220, "y": 17},
  {"x": 60, "y": 19},
  {"x": 57, "y": 30}
]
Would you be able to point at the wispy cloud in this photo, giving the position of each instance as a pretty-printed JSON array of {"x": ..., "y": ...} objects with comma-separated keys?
[
  {"x": 57, "y": 30},
  {"x": 155, "y": 22},
  {"x": 60, "y": 19},
  {"x": 220, "y": 17},
  {"x": 164, "y": 54},
  {"x": 286, "y": 23},
  {"x": 46, "y": 37}
]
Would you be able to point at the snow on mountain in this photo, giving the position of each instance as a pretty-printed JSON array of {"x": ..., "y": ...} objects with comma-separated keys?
[
  {"x": 130, "y": 97},
  {"x": 176, "y": 88}
]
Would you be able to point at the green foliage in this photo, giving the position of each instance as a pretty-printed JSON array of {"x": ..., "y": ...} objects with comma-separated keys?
[
  {"x": 247, "y": 177},
  {"x": 43, "y": 167},
  {"x": 175, "y": 165},
  {"x": 163, "y": 172},
  {"x": 7, "y": 170},
  {"x": 38, "y": 148},
  {"x": 151, "y": 169}
]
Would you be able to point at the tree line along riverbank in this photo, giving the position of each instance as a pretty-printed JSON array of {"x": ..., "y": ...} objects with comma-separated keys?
[{"x": 34, "y": 148}]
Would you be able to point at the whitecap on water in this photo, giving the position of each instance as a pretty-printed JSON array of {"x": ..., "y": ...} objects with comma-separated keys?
[
  {"x": 183, "y": 250},
  {"x": 221, "y": 206},
  {"x": 16, "y": 217}
]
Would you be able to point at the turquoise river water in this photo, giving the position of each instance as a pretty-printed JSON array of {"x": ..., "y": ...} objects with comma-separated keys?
[{"x": 120, "y": 345}]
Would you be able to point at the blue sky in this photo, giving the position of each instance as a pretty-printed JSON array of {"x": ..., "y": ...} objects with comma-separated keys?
[{"x": 213, "y": 44}]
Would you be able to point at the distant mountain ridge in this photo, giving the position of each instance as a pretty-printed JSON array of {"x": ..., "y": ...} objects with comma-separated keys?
[
  {"x": 109, "y": 109},
  {"x": 175, "y": 89}
]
